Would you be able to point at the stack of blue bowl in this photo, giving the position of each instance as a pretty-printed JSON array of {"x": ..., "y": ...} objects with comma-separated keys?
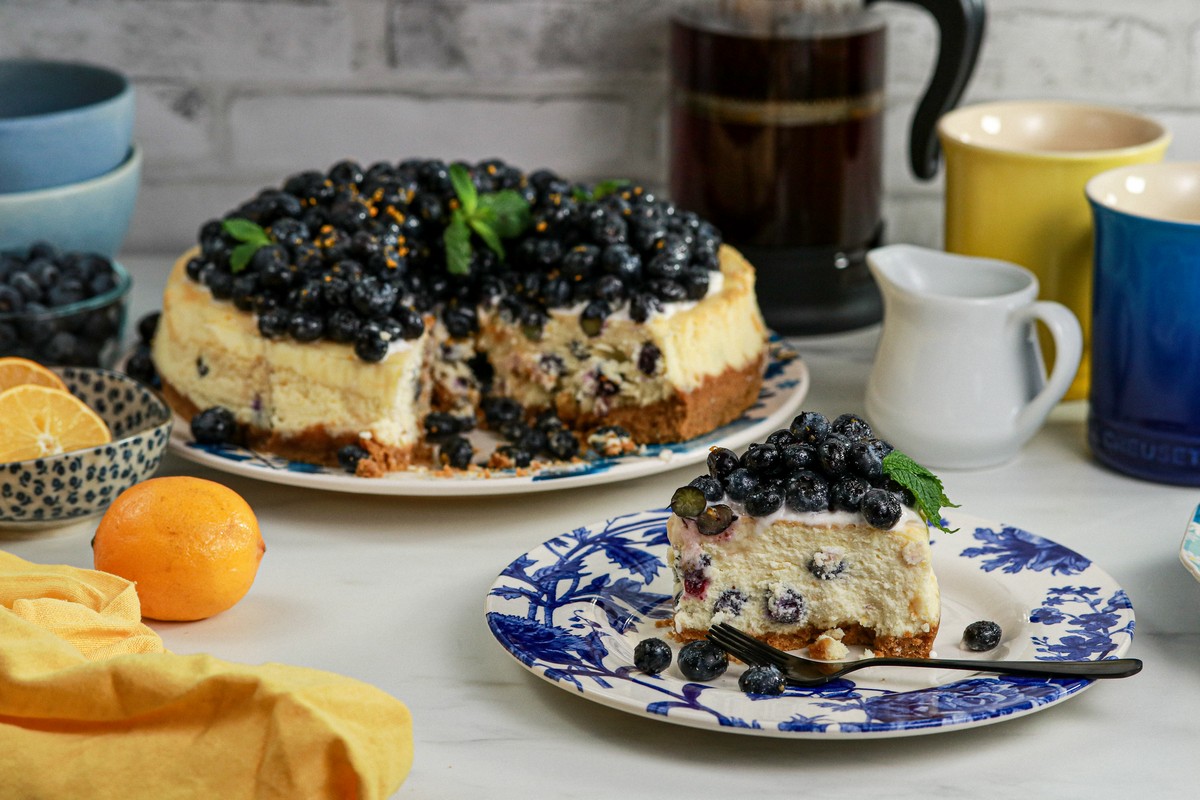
[{"x": 69, "y": 177}]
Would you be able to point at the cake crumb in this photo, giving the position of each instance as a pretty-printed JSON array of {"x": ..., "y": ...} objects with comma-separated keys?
[
  {"x": 913, "y": 554},
  {"x": 828, "y": 648}
]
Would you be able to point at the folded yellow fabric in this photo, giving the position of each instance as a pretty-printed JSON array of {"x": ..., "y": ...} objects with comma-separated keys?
[{"x": 92, "y": 705}]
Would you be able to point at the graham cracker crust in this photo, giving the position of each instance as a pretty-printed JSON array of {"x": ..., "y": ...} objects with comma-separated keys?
[
  {"x": 917, "y": 646},
  {"x": 717, "y": 401},
  {"x": 314, "y": 445}
]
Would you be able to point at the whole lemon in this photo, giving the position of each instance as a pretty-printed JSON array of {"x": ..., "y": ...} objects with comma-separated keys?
[{"x": 191, "y": 546}]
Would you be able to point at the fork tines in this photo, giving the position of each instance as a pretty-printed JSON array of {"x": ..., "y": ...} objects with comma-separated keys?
[{"x": 746, "y": 647}]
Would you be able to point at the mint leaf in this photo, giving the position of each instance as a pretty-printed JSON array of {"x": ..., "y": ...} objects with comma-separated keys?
[
  {"x": 605, "y": 188},
  {"x": 241, "y": 255},
  {"x": 925, "y": 486},
  {"x": 488, "y": 234},
  {"x": 468, "y": 196},
  {"x": 245, "y": 231},
  {"x": 458, "y": 244},
  {"x": 511, "y": 212}
]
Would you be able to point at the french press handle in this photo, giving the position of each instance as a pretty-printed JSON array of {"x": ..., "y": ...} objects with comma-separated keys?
[{"x": 960, "y": 25}]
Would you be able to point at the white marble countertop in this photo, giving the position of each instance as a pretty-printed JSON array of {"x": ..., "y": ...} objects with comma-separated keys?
[{"x": 391, "y": 591}]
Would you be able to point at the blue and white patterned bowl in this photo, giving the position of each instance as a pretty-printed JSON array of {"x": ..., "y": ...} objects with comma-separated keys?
[{"x": 62, "y": 489}]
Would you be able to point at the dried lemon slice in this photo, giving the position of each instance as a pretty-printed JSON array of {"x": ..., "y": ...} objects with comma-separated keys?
[
  {"x": 37, "y": 421},
  {"x": 15, "y": 371}
]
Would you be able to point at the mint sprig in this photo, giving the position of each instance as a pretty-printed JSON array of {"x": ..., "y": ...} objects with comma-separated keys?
[
  {"x": 925, "y": 486},
  {"x": 583, "y": 194},
  {"x": 251, "y": 235},
  {"x": 492, "y": 217}
]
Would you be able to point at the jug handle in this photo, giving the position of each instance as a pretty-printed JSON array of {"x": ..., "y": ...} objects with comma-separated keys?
[
  {"x": 960, "y": 26},
  {"x": 1068, "y": 349}
]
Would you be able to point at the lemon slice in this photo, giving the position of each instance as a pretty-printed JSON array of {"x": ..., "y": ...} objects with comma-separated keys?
[
  {"x": 16, "y": 371},
  {"x": 37, "y": 421}
]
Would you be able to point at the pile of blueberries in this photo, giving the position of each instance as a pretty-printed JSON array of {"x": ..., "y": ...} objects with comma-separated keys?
[
  {"x": 356, "y": 255},
  {"x": 812, "y": 465},
  {"x": 37, "y": 289}
]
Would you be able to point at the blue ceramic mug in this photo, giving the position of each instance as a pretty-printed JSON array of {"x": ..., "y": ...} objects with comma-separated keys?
[{"x": 1144, "y": 417}]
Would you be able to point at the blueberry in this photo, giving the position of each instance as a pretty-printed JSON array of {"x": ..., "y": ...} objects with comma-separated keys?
[
  {"x": 518, "y": 456},
  {"x": 786, "y": 606},
  {"x": 710, "y": 486},
  {"x": 412, "y": 324},
  {"x": 349, "y": 455},
  {"x": 715, "y": 519},
  {"x": 798, "y": 456},
  {"x": 721, "y": 462},
  {"x": 373, "y": 297},
  {"x": 866, "y": 458},
  {"x": 643, "y": 305},
  {"x": 499, "y": 410},
  {"x": 881, "y": 508},
  {"x": 621, "y": 260},
  {"x": 740, "y": 483},
  {"x": 580, "y": 262},
  {"x": 810, "y": 426},
  {"x": 562, "y": 444},
  {"x": 762, "y": 679},
  {"x": 847, "y": 493},
  {"x": 456, "y": 452},
  {"x": 370, "y": 345},
  {"x": 140, "y": 367},
  {"x": 826, "y": 565},
  {"x": 731, "y": 602},
  {"x": 834, "y": 453},
  {"x": 214, "y": 425},
  {"x": 852, "y": 426},
  {"x": 668, "y": 291},
  {"x": 695, "y": 282},
  {"x": 440, "y": 425},
  {"x": 688, "y": 502},
  {"x": 11, "y": 300},
  {"x": 652, "y": 656},
  {"x": 591, "y": 319},
  {"x": 702, "y": 661},
  {"x": 648, "y": 358},
  {"x": 805, "y": 491},
  {"x": 342, "y": 326},
  {"x": 305, "y": 327},
  {"x": 764, "y": 501},
  {"x": 781, "y": 438},
  {"x": 981, "y": 635},
  {"x": 763, "y": 460}
]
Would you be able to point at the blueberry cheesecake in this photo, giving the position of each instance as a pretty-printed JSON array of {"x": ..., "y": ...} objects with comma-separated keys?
[
  {"x": 331, "y": 317},
  {"x": 820, "y": 533}
]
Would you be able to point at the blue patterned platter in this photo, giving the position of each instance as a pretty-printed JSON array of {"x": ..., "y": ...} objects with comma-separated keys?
[
  {"x": 785, "y": 383},
  {"x": 573, "y": 609},
  {"x": 1189, "y": 549}
]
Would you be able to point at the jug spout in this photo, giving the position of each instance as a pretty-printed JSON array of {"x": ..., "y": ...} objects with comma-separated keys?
[{"x": 933, "y": 276}]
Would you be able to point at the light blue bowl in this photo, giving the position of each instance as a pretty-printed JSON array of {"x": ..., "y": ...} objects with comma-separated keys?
[
  {"x": 92, "y": 216},
  {"x": 61, "y": 123}
]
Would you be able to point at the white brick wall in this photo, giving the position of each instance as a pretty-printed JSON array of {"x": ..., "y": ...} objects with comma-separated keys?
[{"x": 236, "y": 94}]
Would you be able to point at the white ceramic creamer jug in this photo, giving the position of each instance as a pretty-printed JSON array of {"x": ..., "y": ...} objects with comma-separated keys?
[{"x": 958, "y": 378}]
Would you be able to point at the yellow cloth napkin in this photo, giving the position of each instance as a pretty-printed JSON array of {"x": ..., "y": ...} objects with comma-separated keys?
[{"x": 92, "y": 705}]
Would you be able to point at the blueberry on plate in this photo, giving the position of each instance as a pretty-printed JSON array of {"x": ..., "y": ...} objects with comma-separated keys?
[
  {"x": 702, "y": 661},
  {"x": 214, "y": 425},
  {"x": 982, "y": 635},
  {"x": 652, "y": 656},
  {"x": 762, "y": 679}
]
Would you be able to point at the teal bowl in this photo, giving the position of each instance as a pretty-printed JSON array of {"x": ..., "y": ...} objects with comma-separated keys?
[
  {"x": 61, "y": 123},
  {"x": 92, "y": 216}
]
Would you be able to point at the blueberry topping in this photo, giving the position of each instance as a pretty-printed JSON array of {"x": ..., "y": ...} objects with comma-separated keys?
[
  {"x": 847, "y": 493},
  {"x": 805, "y": 490},
  {"x": 866, "y": 458},
  {"x": 715, "y": 519},
  {"x": 215, "y": 425},
  {"x": 652, "y": 656},
  {"x": 349, "y": 455},
  {"x": 688, "y": 502},
  {"x": 852, "y": 426},
  {"x": 710, "y": 486},
  {"x": 702, "y": 661},
  {"x": 810, "y": 426},
  {"x": 833, "y": 453},
  {"x": 591, "y": 319},
  {"x": 763, "y": 459},
  {"x": 721, "y": 462},
  {"x": 740, "y": 483},
  {"x": 764, "y": 501},
  {"x": 781, "y": 438},
  {"x": 881, "y": 508},
  {"x": 798, "y": 456},
  {"x": 981, "y": 635},
  {"x": 762, "y": 679}
]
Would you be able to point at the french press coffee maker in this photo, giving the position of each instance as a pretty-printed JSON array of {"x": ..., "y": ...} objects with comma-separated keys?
[{"x": 777, "y": 138}]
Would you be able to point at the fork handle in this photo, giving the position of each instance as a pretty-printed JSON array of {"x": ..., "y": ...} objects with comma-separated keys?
[{"x": 1110, "y": 668}]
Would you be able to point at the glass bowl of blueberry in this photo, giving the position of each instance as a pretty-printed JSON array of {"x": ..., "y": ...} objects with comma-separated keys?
[{"x": 62, "y": 308}]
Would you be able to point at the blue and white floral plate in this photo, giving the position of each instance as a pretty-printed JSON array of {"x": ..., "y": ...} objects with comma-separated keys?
[
  {"x": 573, "y": 609},
  {"x": 1189, "y": 549},
  {"x": 785, "y": 384}
]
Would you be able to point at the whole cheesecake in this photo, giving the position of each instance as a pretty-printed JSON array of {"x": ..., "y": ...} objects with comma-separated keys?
[{"x": 345, "y": 329}]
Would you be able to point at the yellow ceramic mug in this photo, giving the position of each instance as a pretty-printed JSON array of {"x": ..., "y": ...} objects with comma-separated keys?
[{"x": 1015, "y": 176}]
